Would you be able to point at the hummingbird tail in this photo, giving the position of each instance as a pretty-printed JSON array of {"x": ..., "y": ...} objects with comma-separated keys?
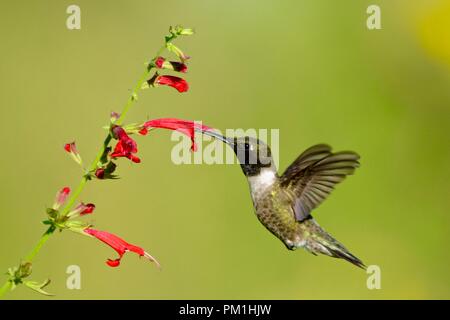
[{"x": 320, "y": 241}]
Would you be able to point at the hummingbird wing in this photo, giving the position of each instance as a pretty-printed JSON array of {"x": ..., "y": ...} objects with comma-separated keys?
[{"x": 313, "y": 175}]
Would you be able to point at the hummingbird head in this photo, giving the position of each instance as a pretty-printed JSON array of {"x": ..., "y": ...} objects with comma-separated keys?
[{"x": 252, "y": 153}]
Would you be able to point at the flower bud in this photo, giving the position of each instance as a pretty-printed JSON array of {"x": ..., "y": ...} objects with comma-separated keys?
[
  {"x": 180, "y": 31},
  {"x": 186, "y": 32},
  {"x": 81, "y": 210},
  {"x": 162, "y": 63},
  {"x": 100, "y": 173},
  {"x": 71, "y": 148},
  {"x": 174, "y": 49},
  {"x": 61, "y": 197},
  {"x": 24, "y": 270},
  {"x": 114, "y": 116}
]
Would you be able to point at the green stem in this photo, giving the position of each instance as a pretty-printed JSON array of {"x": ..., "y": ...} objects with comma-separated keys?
[
  {"x": 37, "y": 248},
  {"x": 131, "y": 99},
  {"x": 5, "y": 288},
  {"x": 7, "y": 285}
]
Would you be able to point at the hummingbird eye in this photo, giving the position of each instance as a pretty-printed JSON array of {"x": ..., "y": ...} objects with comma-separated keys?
[{"x": 247, "y": 146}]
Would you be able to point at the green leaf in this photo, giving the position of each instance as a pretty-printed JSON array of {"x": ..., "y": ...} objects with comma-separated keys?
[
  {"x": 145, "y": 85},
  {"x": 52, "y": 213},
  {"x": 38, "y": 287}
]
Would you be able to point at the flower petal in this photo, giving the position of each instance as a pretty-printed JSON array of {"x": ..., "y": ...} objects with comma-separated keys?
[
  {"x": 88, "y": 208},
  {"x": 125, "y": 147},
  {"x": 175, "y": 82},
  {"x": 113, "y": 263}
]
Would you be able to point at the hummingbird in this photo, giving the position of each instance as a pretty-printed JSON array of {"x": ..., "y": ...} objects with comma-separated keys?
[{"x": 283, "y": 203}]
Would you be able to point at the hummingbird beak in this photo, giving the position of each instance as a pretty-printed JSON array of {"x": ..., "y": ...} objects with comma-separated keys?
[{"x": 218, "y": 136}]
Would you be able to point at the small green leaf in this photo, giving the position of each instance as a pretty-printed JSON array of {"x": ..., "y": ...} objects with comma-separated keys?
[
  {"x": 52, "y": 213},
  {"x": 38, "y": 287},
  {"x": 145, "y": 85},
  {"x": 104, "y": 158}
]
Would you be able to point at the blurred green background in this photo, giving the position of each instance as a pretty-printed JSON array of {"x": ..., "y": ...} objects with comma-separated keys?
[{"x": 309, "y": 68}]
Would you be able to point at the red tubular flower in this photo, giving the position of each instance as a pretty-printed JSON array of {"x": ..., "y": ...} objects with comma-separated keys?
[
  {"x": 68, "y": 146},
  {"x": 126, "y": 147},
  {"x": 61, "y": 197},
  {"x": 81, "y": 210},
  {"x": 162, "y": 63},
  {"x": 175, "y": 82},
  {"x": 71, "y": 148},
  {"x": 187, "y": 127},
  {"x": 119, "y": 245},
  {"x": 86, "y": 208}
]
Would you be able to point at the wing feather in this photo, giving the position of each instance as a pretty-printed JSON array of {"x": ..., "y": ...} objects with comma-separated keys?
[{"x": 314, "y": 174}]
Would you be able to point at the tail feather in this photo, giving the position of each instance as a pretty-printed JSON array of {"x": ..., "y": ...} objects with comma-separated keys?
[
  {"x": 319, "y": 241},
  {"x": 346, "y": 255}
]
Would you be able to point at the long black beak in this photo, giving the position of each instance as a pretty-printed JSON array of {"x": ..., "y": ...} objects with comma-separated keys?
[{"x": 218, "y": 136}]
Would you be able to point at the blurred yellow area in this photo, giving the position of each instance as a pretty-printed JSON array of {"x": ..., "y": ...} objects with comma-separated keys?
[{"x": 435, "y": 31}]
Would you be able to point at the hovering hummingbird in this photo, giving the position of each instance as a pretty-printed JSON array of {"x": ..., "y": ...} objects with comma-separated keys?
[{"x": 283, "y": 204}]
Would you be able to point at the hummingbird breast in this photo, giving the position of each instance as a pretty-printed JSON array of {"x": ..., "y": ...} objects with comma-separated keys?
[{"x": 273, "y": 208}]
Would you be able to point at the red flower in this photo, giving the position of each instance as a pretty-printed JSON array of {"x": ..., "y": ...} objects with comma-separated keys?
[
  {"x": 86, "y": 208},
  {"x": 126, "y": 147},
  {"x": 71, "y": 148},
  {"x": 162, "y": 63},
  {"x": 187, "y": 127},
  {"x": 61, "y": 197},
  {"x": 119, "y": 245},
  {"x": 81, "y": 210},
  {"x": 175, "y": 82}
]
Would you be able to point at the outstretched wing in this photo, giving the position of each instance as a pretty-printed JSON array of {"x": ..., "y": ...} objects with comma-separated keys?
[{"x": 313, "y": 175}]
